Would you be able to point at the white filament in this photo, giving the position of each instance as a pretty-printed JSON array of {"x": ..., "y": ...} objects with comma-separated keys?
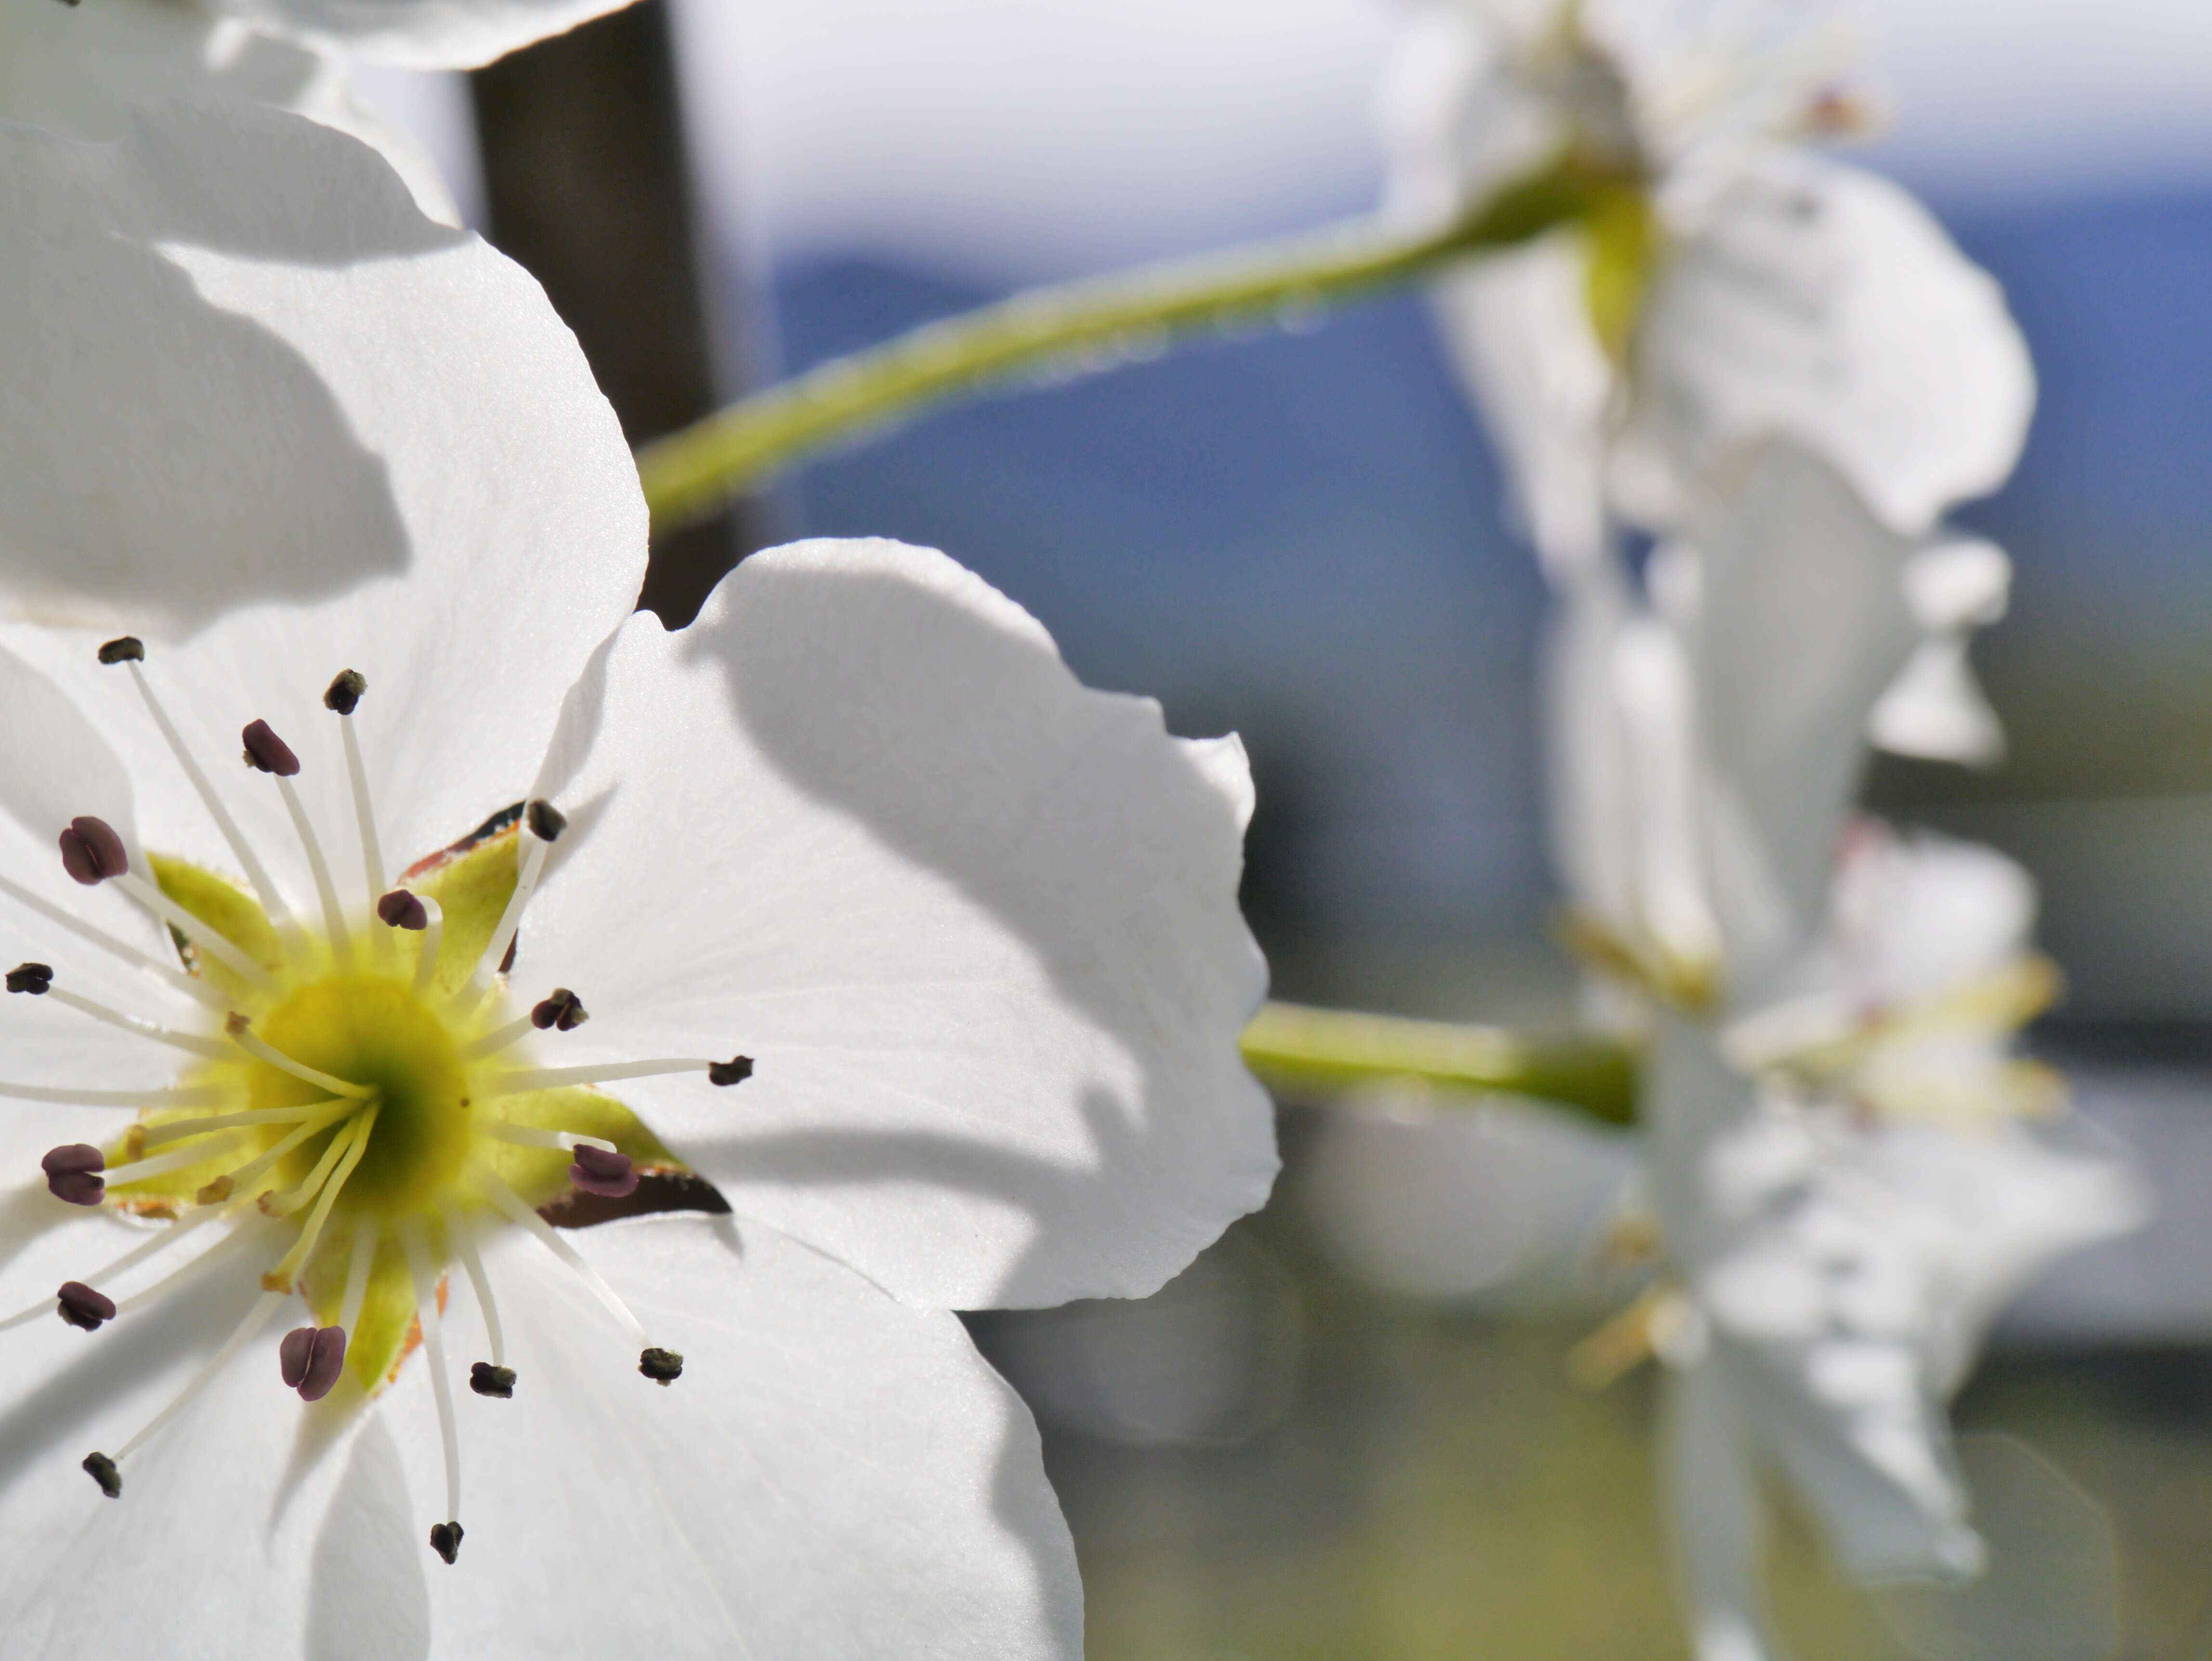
[
  {"x": 187, "y": 984},
  {"x": 154, "y": 1136},
  {"x": 192, "y": 928},
  {"x": 334, "y": 922},
  {"x": 498, "y": 1038},
  {"x": 160, "y": 1240},
  {"x": 434, "y": 940},
  {"x": 523, "y": 1135},
  {"x": 215, "y": 1256},
  {"x": 552, "y": 1078},
  {"x": 529, "y": 862},
  {"x": 426, "y": 1311},
  {"x": 279, "y": 914},
  {"x": 372, "y": 851},
  {"x": 138, "y": 1170},
  {"x": 253, "y": 1044},
  {"x": 191, "y": 1095},
  {"x": 155, "y": 1029},
  {"x": 461, "y": 1233},
  {"x": 366, "y": 1236},
  {"x": 256, "y": 1318},
  {"x": 515, "y": 1207}
]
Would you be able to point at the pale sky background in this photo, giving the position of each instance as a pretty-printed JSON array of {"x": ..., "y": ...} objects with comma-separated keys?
[
  {"x": 1010, "y": 141},
  {"x": 1016, "y": 140}
]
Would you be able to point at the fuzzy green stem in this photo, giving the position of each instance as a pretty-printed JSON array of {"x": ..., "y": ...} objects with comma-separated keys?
[
  {"x": 1310, "y": 1054},
  {"x": 689, "y": 474}
]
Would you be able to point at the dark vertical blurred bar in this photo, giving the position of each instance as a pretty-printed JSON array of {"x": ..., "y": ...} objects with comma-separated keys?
[{"x": 585, "y": 184}]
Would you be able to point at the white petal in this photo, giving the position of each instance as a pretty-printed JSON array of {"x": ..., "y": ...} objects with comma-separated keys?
[
  {"x": 78, "y": 71},
  {"x": 1801, "y": 623},
  {"x": 1922, "y": 915},
  {"x": 1518, "y": 328},
  {"x": 1451, "y": 1197},
  {"x": 250, "y": 374},
  {"x": 420, "y": 34},
  {"x": 212, "y": 1549},
  {"x": 976, "y": 924},
  {"x": 1935, "y": 710},
  {"x": 836, "y": 1474},
  {"x": 1823, "y": 303},
  {"x": 1714, "y": 1506}
]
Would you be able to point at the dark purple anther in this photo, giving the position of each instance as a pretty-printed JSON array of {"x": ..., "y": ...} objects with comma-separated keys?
[
  {"x": 292, "y": 1355},
  {"x": 311, "y": 1359},
  {"x": 73, "y": 1173},
  {"x": 401, "y": 909},
  {"x": 32, "y": 978},
  {"x": 91, "y": 851},
  {"x": 268, "y": 752},
  {"x": 80, "y": 1306},
  {"x": 325, "y": 1364},
  {"x": 598, "y": 1171},
  {"x": 735, "y": 1070},
  {"x": 563, "y": 1010}
]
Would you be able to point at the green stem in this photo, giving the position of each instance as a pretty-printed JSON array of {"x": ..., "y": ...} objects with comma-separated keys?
[
  {"x": 689, "y": 474},
  {"x": 1307, "y": 1052}
]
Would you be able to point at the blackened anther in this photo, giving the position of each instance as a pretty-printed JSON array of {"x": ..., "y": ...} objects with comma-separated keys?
[
  {"x": 735, "y": 1070},
  {"x": 344, "y": 693},
  {"x": 266, "y": 751},
  {"x": 124, "y": 648},
  {"x": 546, "y": 821},
  {"x": 562, "y": 1011},
  {"x": 32, "y": 978},
  {"x": 498, "y": 1383},
  {"x": 663, "y": 1367},
  {"x": 103, "y": 1471},
  {"x": 445, "y": 1540},
  {"x": 80, "y": 1306}
]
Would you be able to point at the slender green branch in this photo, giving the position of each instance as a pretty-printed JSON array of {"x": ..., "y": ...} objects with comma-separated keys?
[
  {"x": 689, "y": 474},
  {"x": 1307, "y": 1052}
]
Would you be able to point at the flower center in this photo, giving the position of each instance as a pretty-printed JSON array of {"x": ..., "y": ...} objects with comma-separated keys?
[
  {"x": 360, "y": 1107},
  {"x": 374, "y": 1033}
]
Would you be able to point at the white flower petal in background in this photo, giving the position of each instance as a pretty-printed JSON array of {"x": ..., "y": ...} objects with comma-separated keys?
[
  {"x": 1453, "y": 1196},
  {"x": 1936, "y": 709},
  {"x": 1001, "y": 1068},
  {"x": 1821, "y": 302},
  {"x": 2051, "y": 1591}
]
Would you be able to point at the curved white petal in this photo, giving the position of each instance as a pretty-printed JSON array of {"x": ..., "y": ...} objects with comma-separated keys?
[
  {"x": 256, "y": 394},
  {"x": 77, "y": 69},
  {"x": 211, "y": 1552},
  {"x": 836, "y": 1474},
  {"x": 420, "y": 35},
  {"x": 1518, "y": 328},
  {"x": 1801, "y": 623},
  {"x": 976, "y": 924},
  {"x": 1713, "y": 1506},
  {"x": 1936, "y": 709},
  {"x": 1849, "y": 1275},
  {"x": 1823, "y": 303},
  {"x": 1453, "y": 1198}
]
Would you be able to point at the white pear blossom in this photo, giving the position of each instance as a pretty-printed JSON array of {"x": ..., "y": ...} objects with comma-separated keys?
[
  {"x": 1846, "y": 1208},
  {"x": 847, "y": 897},
  {"x": 1733, "y": 286},
  {"x": 77, "y": 66}
]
